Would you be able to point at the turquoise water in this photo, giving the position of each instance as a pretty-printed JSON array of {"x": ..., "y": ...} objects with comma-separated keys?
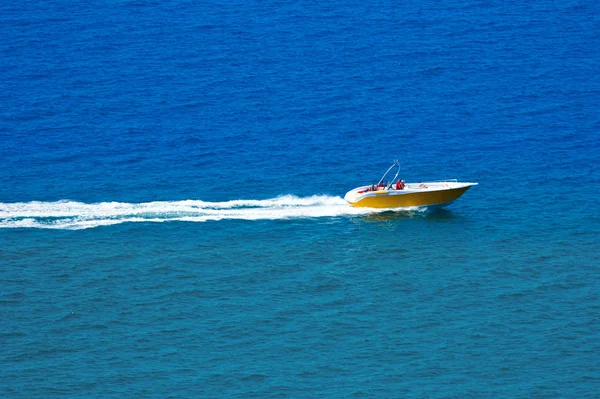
[{"x": 171, "y": 212}]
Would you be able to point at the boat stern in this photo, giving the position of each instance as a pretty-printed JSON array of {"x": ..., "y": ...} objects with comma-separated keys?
[{"x": 353, "y": 196}]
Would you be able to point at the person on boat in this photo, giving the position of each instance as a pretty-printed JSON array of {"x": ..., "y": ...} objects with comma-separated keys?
[
  {"x": 373, "y": 187},
  {"x": 400, "y": 185}
]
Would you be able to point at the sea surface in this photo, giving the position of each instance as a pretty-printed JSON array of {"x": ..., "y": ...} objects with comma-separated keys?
[{"x": 171, "y": 213}]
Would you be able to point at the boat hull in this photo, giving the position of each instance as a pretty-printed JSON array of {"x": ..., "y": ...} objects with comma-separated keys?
[{"x": 406, "y": 199}]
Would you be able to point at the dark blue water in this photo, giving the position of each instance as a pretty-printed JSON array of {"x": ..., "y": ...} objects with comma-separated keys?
[{"x": 171, "y": 213}]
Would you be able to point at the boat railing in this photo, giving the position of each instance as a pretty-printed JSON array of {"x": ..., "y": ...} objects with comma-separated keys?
[{"x": 446, "y": 181}]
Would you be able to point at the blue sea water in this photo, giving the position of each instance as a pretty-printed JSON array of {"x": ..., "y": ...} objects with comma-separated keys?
[{"x": 171, "y": 213}]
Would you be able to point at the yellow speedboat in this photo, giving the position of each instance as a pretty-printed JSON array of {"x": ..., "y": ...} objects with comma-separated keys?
[{"x": 406, "y": 195}]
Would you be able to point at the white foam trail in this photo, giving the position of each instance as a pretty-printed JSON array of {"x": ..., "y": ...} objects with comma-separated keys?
[{"x": 73, "y": 215}]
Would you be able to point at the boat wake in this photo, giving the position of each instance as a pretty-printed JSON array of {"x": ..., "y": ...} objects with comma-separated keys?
[{"x": 72, "y": 215}]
